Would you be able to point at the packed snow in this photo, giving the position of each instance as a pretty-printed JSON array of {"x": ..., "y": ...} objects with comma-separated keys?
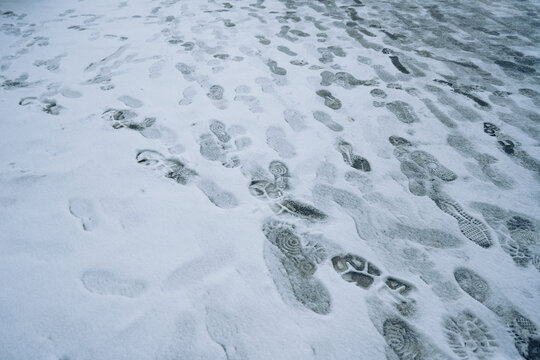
[{"x": 269, "y": 179}]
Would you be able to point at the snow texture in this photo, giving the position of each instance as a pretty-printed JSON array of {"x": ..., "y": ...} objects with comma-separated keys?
[{"x": 269, "y": 179}]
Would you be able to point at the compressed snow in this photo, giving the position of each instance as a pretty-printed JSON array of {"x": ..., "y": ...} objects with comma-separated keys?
[{"x": 269, "y": 180}]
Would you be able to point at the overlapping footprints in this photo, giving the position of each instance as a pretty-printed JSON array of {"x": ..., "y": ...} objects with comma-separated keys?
[
  {"x": 518, "y": 233},
  {"x": 178, "y": 171},
  {"x": 403, "y": 339},
  {"x": 299, "y": 260},
  {"x": 276, "y": 191},
  {"x": 523, "y": 330},
  {"x": 512, "y": 148},
  {"x": 124, "y": 118},
  {"x": 355, "y": 269},
  {"x": 469, "y": 337},
  {"x": 215, "y": 146},
  {"x": 420, "y": 167}
]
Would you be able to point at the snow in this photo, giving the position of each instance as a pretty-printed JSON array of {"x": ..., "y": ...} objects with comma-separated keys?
[{"x": 269, "y": 180}]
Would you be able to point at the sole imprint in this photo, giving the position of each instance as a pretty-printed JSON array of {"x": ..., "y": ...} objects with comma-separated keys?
[
  {"x": 432, "y": 165},
  {"x": 523, "y": 330},
  {"x": 403, "y": 111},
  {"x": 355, "y": 161},
  {"x": 276, "y": 139},
  {"x": 469, "y": 337},
  {"x": 299, "y": 265},
  {"x": 472, "y": 228},
  {"x": 130, "y": 101},
  {"x": 327, "y": 121},
  {"x": 103, "y": 282},
  {"x": 329, "y": 100}
]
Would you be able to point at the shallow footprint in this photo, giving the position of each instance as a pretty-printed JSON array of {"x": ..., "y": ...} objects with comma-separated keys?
[
  {"x": 431, "y": 164},
  {"x": 189, "y": 94},
  {"x": 327, "y": 121},
  {"x": 403, "y": 111},
  {"x": 219, "y": 130},
  {"x": 469, "y": 337},
  {"x": 171, "y": 168},
  {"x": 104, "y": 282},
  {"x": 403, "y": 340},
  {"x": 130, "y": 101},
  {"x": 84, "y": 211},
  {"x": 219, "y": 197},
  {"x": 523, "y": 330},
  {"x": 295, "y": 119},
  {"x": 276, "y": 139}
]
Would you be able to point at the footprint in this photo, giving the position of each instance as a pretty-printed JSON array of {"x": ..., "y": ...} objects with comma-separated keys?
[
  {"x": 218, "y": 129},
  {"x": 354, "y": 161},
  {"x": 219, "y": 197},
  {"x": 355, "y": 269},
  {"x": 263, "y": 40},
  {"x": 362, "y": 273},
  {"x": 265, "y": 190},
  {"x": 329, "y": 100},
  {"x": 154, "y": 71},
  {"x": 295, "y": 119},
  {"x": 252, "y": 102},
  {"x": 104, "y": 282},
  {"x": 281, "y": 174},
  {"x": 266, "y": 84},
  {"x": 68, "y": 93},
  {"x": 214, "y": 146},
  {"x": 276, "y": 139},
  {"x": 298, "y": 209},
  {"x": 403, "y": 340},
  {"x": 286, "y": 50},
  {"x": 469, "y": 337},
  {"x": 223, "y": 331},
  {"x": 274, "y": 68},
  {"x": 125, "y": 118},
  {"x": 215, "y": 93},
  {"x": 432, "y": 165},
  {"x": 178, "y": 171},
  {"x": 518, "y": 233},
  {"x": 472, "y": 228},
  {"x": 189, "y": 94},
  {"x": 403, "y": 111},
  {"x": 131, "y": 102},
  {"x": 299, "y": 267},
  {"x": 170, "y": 168},
  {"x": 84, "y": 211},
  {"x": 327, "y": 121},
  {"x": 523, "y": 330}
]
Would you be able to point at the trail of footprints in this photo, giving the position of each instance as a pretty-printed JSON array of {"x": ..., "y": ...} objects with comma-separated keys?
[{"x": 293, "y": 255}]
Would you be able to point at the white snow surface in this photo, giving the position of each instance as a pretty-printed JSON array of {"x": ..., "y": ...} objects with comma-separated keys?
[{"x": 258, "y": 179}]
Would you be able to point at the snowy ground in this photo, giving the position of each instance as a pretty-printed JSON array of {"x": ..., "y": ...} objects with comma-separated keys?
[{"x": 260, "y": 179}]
